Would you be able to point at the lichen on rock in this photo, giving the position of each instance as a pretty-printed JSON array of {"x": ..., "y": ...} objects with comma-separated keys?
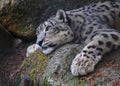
[
  {"x": 31, "y": 70},
  {"x": 34, "y": 65}
]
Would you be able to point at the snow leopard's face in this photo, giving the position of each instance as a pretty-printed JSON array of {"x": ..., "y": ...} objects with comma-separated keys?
[
  {"x": 51, "y": 37},
  {"x": 54, "y": 32}
]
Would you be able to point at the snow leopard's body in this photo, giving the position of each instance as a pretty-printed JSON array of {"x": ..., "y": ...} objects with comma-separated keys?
[{"x": 94, "y": 25}]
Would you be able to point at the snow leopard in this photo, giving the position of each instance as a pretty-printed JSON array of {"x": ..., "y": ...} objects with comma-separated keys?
[{"x": 93, "y": 24}]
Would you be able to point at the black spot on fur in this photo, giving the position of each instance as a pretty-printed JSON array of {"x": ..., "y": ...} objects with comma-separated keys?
[
  {"x": 78, "y": 22},
  {"x": 108, "y": 44},
  {"x": 51, "y": 22},
  {"x": 86, "y": 56},
  {"x": 93, "y": 57},
  {"x": 100, "y": 42},
  {"x": 90, "y": 52},
  {"x": 114, "y": 5},
  {"x": 99, "y": 54},
  {"x": 115, "y": 37},
  {"x": 106, "y": 7},
  {"x": 84, "y": 51},
  {"x": 112, "y": 16},
  {"x": 99, "y": 49},
  {"x": 94, "y": 5},
  {"x": 94, "y": 24},
  {"x": 105, "y": 18},
  {"x": 105, "y": 35},
  {"x": 92, "y": 46},
  {"x": 93, "y": 36},
  {"x": 91, "y": 27},
  {"x": 84, "y": 38},
  {"x": 65, "y": 35},
  {"x": 68, "y": 32},
  {"x": 88, "y": 7},
  {"x": 89, "y": 31}
]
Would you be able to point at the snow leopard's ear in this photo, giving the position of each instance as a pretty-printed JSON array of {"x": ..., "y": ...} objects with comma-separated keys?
[{"x": 61, "y": 15}]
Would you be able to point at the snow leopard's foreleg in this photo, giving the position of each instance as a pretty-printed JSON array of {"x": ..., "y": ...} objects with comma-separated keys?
[{"x": 85, "y": 61}]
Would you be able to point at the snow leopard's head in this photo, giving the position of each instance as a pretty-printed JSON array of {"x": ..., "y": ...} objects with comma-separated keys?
[{"x": 54, "y": 32}]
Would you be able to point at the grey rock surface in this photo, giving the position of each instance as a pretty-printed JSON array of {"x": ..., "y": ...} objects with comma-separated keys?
[
  {"x": 107, "y": 72},
  {"x": 61, "y": 59}
]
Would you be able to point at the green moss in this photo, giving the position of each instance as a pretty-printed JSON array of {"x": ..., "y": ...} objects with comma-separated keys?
[{"x": 34, "y": 66}]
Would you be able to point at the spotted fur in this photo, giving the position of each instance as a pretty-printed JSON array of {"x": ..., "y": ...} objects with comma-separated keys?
[{"x": 94, "y": 25}]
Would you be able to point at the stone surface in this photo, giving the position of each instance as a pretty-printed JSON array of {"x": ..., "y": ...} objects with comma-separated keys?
[
  {"x": 57, "y": 72},
  {"x": 58, "y": 69},
  {"x": 6, "y": 42}
]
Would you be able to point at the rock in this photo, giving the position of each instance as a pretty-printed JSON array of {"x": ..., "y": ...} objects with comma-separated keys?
[
  {"x": 6, "y": 42},
  {"x": 31, "y": 69},
  {"x": 17, "y": 42},
  {"x": 25, "y": 80},
  {"x": 107, "y": 77},
  {"x": 6, "y": 2},
  {"x": 57, "y": 72},
  {"x": 107, "y": 73},
  {"x": 58, "y": 69},
  {"x": 18, "y": 19}
]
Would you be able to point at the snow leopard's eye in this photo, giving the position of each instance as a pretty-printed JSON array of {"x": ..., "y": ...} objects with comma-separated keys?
[{"x": 47, "y": 28}]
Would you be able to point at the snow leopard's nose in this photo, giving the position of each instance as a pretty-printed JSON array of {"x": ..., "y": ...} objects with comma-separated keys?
[{"x": 40, "y": 43}]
